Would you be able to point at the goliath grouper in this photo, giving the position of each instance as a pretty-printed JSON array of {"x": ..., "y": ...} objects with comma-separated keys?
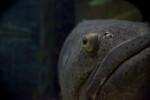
[{"x": 106, "y": 60}]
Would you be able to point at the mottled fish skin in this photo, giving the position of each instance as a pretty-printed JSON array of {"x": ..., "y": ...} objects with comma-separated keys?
[{"x": 84, "y": 76}]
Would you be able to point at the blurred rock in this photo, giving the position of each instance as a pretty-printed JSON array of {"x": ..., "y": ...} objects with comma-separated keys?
[{"x": 115, "y": 9}]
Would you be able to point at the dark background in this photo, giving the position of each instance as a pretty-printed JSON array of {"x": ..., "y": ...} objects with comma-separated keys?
[{"x": 31, "y": 36}]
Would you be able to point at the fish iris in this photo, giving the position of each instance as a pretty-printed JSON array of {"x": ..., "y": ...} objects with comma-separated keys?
[{"x": 84, "y": 40}]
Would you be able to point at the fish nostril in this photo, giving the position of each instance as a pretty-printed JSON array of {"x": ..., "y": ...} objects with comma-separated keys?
[{"x": 108, "y": 35}]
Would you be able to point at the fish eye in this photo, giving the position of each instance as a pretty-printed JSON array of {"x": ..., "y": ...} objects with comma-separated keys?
[{"x": 90, "y": 42}]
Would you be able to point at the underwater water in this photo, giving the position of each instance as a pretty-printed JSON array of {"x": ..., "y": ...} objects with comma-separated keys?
[{"x": 32, "y": 33}]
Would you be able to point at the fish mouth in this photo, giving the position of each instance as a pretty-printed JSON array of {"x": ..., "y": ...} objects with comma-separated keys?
[
  {"x": 125, "y": 75},
  {"x": 113, "y": 60},
  {"x": 116, "y": 69}
]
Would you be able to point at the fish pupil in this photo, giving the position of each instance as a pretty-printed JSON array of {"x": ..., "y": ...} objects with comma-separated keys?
[{"x": 84, "y": 40}]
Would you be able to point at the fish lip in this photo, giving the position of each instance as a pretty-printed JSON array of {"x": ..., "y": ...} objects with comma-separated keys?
[{"x": 110, "y": 75}]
